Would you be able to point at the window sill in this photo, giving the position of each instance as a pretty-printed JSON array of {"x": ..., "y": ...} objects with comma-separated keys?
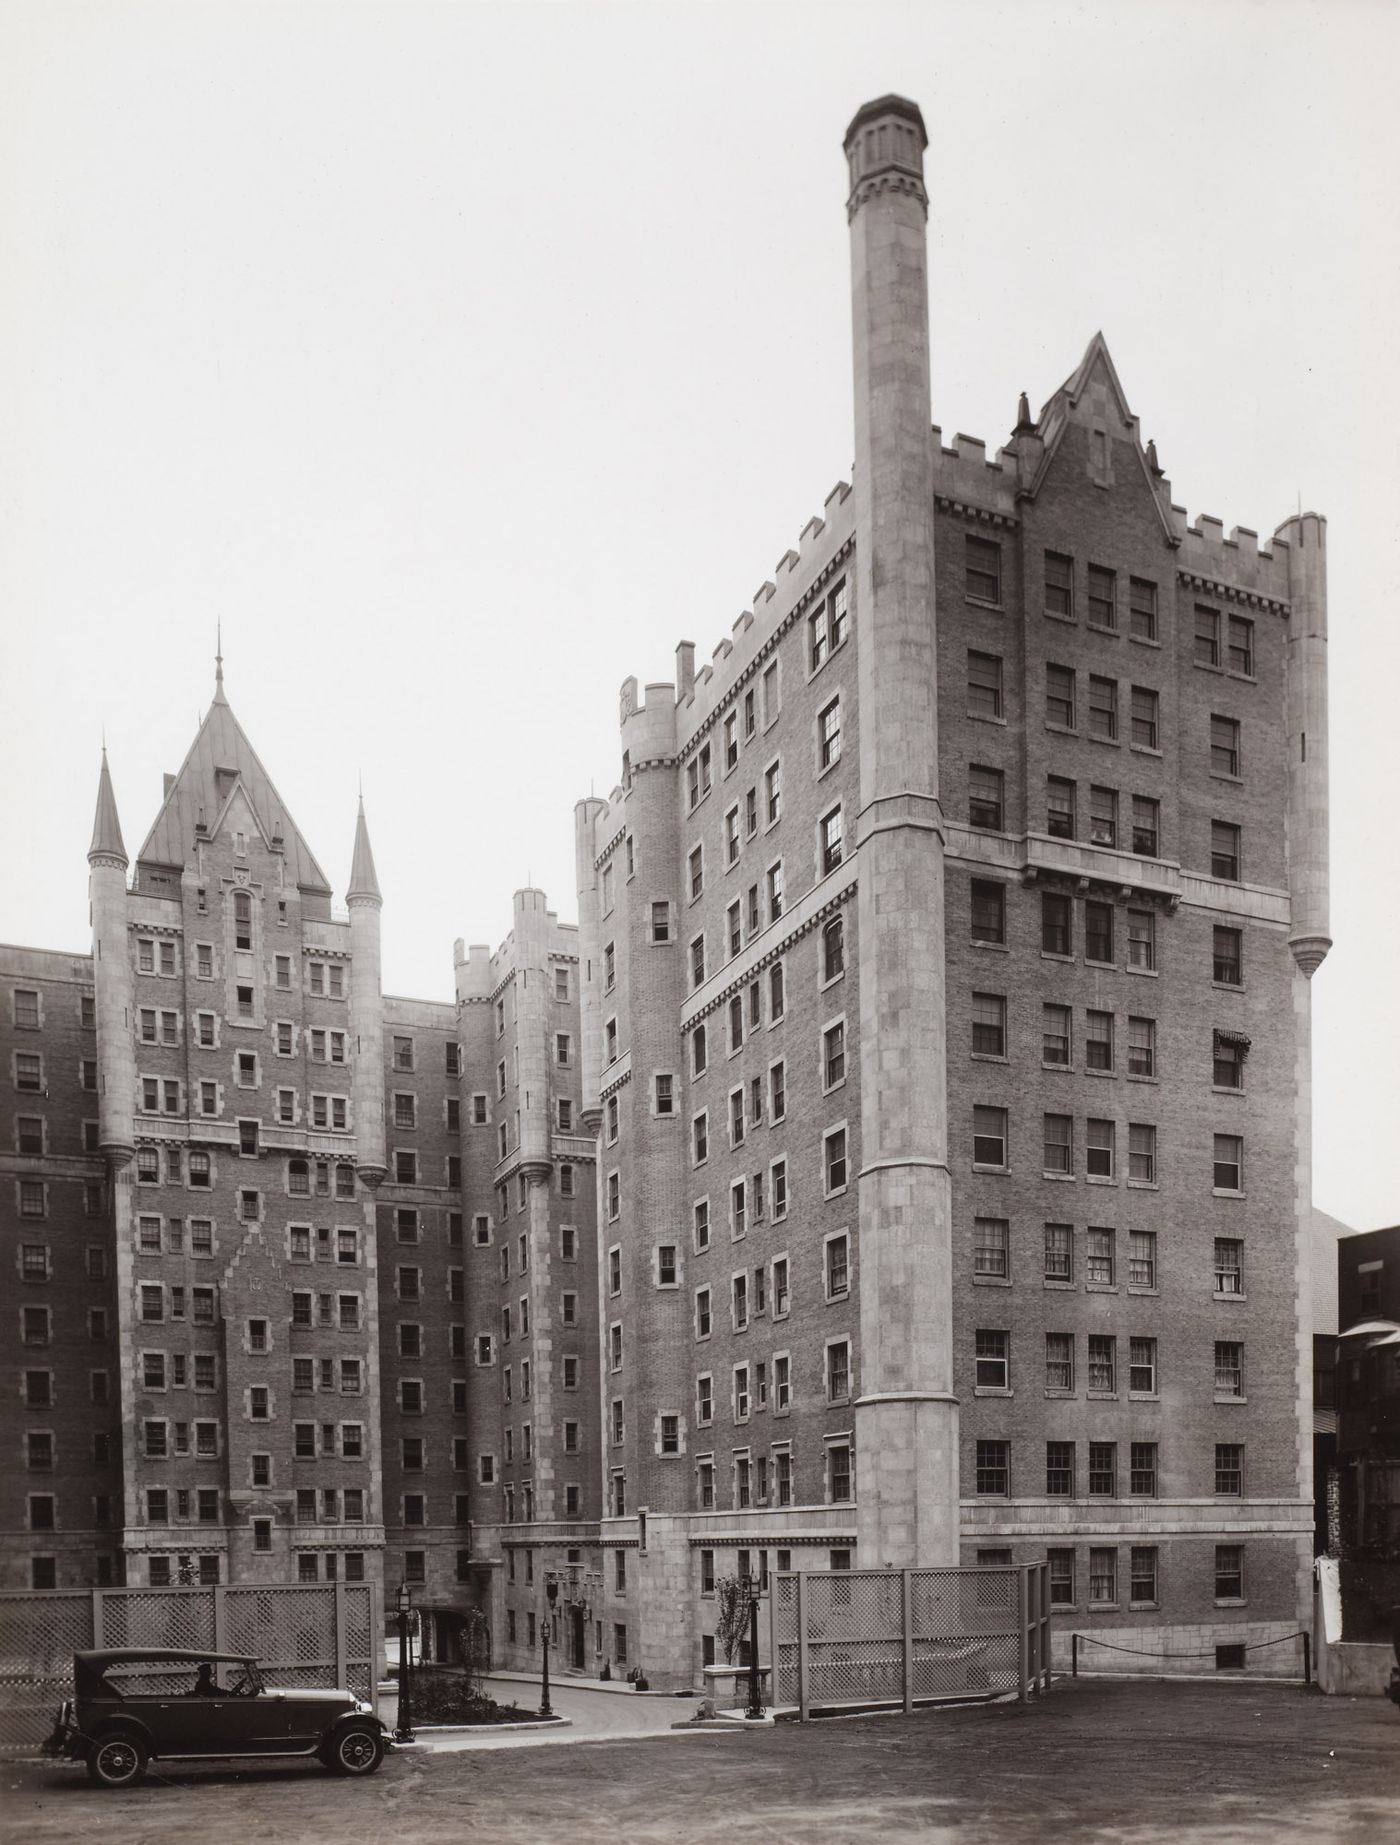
[
  {"x": 1148, "y": 1293},
  {"x": 1146, "y": 749},
  {"x": 1051, "y": 954},
  {"x": 1060, "y": 1287},
  {"x": 1054, "y": 615},
  {"x": 1062, "y": 730},
  {"x": 1103, "y": 627},
  {"x": 985, "y": 717},
  {"x": 1101, "y": 1287},
  {"x": 1095, "y": 736},
  {"x": 1103, "y": 1607},
  {"x": 1135, "y": 1077},
  {"x": 1231, "y": 1601},
  {"x": 1059, "y": 1394},
  {"x": 1101, "y": 1396},
  {"x": 1145, "y": 640},
  {"x": 1240, "y": 1296},
  {"x": 1217, "y": 1191},
  {"x": 987, "y": 1057},
  {"x": 1142, "y": 1185},
  {"x": 996, "y": 948},
  {"x": 1227, "y": 1089},
  {"x": 1095, "y": 1071},
  {"x": 1143, "y": 1396},
  {"x": 1066, "y": 1069},
  {"x": 975, "y": 1168},
  {"x": 1090, "y": 961},
  {"x": 1134, "y": 1607},
  {"x": 1149, "y": 972},
  {"x": 1059, "y": 1178},
  {"x": 1099, "y": 1178},
  {"x": 992, "y": 1390},
  {"x": 1222, "y": 1397},
  {"x": 980, "y": 602},
  {"x": 991, "y": 1281},
  {"x": 840, "y": 1192}
]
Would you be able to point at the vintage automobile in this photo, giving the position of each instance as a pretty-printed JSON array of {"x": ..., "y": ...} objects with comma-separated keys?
[{"x": 133, "y": 1704}]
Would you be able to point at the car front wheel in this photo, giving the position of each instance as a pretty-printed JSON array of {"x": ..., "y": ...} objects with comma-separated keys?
[
  {"x": 117, "y": 1761},
  {"x": 358, "y": 1749}
]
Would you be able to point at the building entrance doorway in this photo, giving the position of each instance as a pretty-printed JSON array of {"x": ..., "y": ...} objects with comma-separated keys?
[{"x": 578, "y": 1638}]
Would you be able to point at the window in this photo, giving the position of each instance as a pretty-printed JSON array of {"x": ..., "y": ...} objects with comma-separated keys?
[
  {"x": 1059, "y": 1361},
  {"x": 1059, "y": 807},
  {"x": 1228, "y": 1060},
  {"x": 1229, "y": 1368},
  {"x": 993, "y": 1469},
  {"x": 834, "y": 1159},
  {"x": 1103, "y": 1469},
  {"x": 1103, "y": 707},
  {"x": 780, "y": 1193},
  {"x": 992, "y": 1358},
  {"x": 1142, "y": 609},
  {"x": 831, "y": 834},
  {"x": 1103, "y": 1355},
  {"x": 1142, "y": 1152},
  {"x": 1103, "y": 816},
  {"x": 1142, "y": 1573},
  {"x": 1142, "y": 1366},
  {"x": 1056, "y": 923},
  {"x": 1229, "y": 1469},
  {"x": 1145, "y": 709},
  {"x": 1099, "y": 1253},
  {"x": 1145, "y": 826},
  {"x": 1059, "y": 585},
  {"x": 1098, "y": 932},
  {"x": 834, "y": 1054},
  {"x": 1227, "y": 959},
  {"x": 829, "y": 734},
  {"x": 1229, "y": 1163},
  {"x": 1062, "y": 1591},
  {"x": 984, "y": 797},
  {"x": 1241, "y": 643},
  {"x": 988, "y": 911},
  {"x": 1059, "y": 1144},
  {"x": 982, "y": 569},
  {"x": 983, "y": 685},
  {"x": 838, "y": 1371},
  {"x": 1059, "y": 1469},
  {"x": 991, "y": 1239},
  {"x": 777, "y": 995},
  {"x": 1103, "y": 611},
  {"x": 1142, "y": 940},
  {"x": 1055, "y": 1035},
  {"x": 838, "y": 1474},
  {"x": 1207, "y": 636},
  {"x": 988, "y": 1136},
  {"x": 1229, "y": 1572},
  {"x": 834, "y": 948},
  {"x": 1224, "y": 745},
  {"x": 1059, "y": 696},
  {"x": 1142, "y": 1259},
  {"x": 1225, "y": 851},
  {"x": 1098, "y": 1040},
  {"x": 838, "y": 1266},
  {"x": 828, "y": 625}
]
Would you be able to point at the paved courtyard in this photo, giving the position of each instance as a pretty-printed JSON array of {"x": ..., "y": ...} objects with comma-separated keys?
[{"x": 1118, "y": 1762}]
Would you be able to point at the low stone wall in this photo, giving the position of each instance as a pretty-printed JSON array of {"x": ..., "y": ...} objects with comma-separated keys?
[{"x": 1156, "y": 1652}]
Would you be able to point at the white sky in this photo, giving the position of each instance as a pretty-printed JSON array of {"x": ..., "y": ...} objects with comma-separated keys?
[{"x": 463, "y": 359}]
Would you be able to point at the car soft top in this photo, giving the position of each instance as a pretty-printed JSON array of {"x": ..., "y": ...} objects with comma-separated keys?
[{"x": 90, "y": 1668}]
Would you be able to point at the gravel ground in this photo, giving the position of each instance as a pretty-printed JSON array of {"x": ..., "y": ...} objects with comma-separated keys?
[{"x": 1126, "y": 1763}]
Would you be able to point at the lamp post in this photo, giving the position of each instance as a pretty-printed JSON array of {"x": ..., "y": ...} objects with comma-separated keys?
[
  {"x": 403, "y": 1728},
  {"x": 551, "y": 1590}
]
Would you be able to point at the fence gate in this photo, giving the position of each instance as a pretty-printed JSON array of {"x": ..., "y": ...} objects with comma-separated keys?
[
  {"x": 881, "y": 1637},
  {"x": 305, "y": 1634}
]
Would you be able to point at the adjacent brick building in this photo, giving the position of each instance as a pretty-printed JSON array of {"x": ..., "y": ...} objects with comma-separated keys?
[{"x": 905, "y": 1159}]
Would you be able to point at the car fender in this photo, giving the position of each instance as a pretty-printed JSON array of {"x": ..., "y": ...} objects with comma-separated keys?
[
  {"x": 119, "y": 1723},
  {"x": 334, "y": 1728}
]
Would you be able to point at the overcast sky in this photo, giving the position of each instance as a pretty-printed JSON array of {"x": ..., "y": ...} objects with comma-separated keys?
[{"x": 463, "y": 359}]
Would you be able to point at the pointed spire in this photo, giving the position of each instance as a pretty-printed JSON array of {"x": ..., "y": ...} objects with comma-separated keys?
[
  {"x": 363, "y": 880},
  {"x": 1152, "y": 457},
  {"x": 106, "y": 827},
  {"x": 1023, "y": 415},
  {"x": 219, "y": 698}
]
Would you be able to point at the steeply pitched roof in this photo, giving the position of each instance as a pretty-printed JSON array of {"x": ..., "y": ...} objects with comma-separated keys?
[
  {"x": 197, "y": 794},
  {"x": 106, "y": 827},
  {"x": 363, "y": 880}
]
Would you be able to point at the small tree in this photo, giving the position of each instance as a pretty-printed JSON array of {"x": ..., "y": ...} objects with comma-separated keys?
[{"x": 733, "y": 1598}]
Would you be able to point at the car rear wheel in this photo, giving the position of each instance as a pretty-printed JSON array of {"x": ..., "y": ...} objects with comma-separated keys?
[
  {"x": 358, "y": 1749},
  {"x": 117, "y": 1761}
]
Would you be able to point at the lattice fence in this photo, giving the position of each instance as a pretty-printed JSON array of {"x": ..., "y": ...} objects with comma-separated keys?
[
  {"x": 873, "y": 1637},
  {"x": 305, "y": 1635}
]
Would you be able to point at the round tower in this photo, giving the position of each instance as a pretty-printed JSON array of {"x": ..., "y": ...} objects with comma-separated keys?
[
  {"x": 906, "y": 1415},
  {"x": 590, "y": 1030},
  {"x": 367, "y": 1007},
  {"x": 1305, "y": 703},
  {"x": 115, "y": 999}
]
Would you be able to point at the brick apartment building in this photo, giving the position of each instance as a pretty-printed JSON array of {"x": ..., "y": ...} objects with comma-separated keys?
[{"x": 905, "y": 1160}]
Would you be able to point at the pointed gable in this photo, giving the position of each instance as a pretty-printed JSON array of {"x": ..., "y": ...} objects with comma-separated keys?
[
  {"x": 1092, "y": 398},
  {"x": 221, "y": 759}
]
